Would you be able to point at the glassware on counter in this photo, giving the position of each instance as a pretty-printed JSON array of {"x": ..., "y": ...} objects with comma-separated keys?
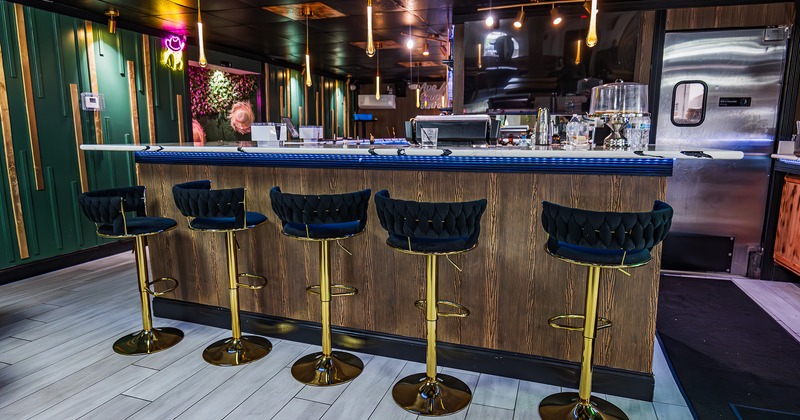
[{"x": 615, "y": 102}]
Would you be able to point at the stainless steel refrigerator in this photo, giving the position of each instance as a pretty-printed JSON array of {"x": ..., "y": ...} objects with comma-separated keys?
[{"x": 721, "y": 89}]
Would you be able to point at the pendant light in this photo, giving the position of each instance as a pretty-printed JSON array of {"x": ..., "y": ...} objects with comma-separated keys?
[
  {"x": 418, "y": 87},
  {"x": 426, "y": 52},
  {"x": 307, "y": 12},
  {"x": 202, "y": 60},
  {"x": 591, "y": 39},
  {"x": 378, "y": 73},
  {"x": 370, "y": 44},
  {"x": 490, "y": 19}
]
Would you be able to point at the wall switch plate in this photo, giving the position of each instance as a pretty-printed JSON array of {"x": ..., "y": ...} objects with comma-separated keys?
[{"x": 93, "y": 101}]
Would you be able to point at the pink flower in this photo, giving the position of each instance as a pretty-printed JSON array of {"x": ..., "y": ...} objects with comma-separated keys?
[
  {"x": 198, "y": 134},
  {"x": 241, "y": 117}
]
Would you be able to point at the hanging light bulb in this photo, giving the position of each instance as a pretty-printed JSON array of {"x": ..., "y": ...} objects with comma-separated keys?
[
  {"x": 378, "y": 74},
  {"x": 520, "y": 18},
  {"x": 370, "y": 44},
  {"x": 202, "y": 60},
  {"x": 418, "y": 87},
  {"x": 556, "y": 18},
  {"x": 591, "y": 39},
  {"x": 307, "y": 12},
  {"x": 426, "y": 52},
  {"x": 410, "y": 43},
  {"x": 490, "y": 20}
]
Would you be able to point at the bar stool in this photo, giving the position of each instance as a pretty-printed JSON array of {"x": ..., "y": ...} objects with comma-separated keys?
[
  {"x": 322, "y": 219},
  {"x": 432, "y": 230},
  {"x": 596, "y": 240},
  {"x": 225, "y": 211},
  {"x": 107, "y": 209}
]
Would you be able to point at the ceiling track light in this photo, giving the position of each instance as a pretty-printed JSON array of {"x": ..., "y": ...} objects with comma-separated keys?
[
  {"x": 112, "y": 24},
  {"x": 202, "y": 60},
  {"x": 370, "y": 43},
  {"x": 554, "y": 16},
  {"x": 426, "y": 52},
  {"x": 518, "y": 21}
]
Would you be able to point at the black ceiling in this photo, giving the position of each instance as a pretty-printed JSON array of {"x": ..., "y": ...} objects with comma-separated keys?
[{"x": 243, "y": 26}]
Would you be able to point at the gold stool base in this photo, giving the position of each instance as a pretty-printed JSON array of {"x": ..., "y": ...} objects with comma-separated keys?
[
  {"x": 446, "y": 395},
  {"x": 565, "y": 406},
  {"x": 230, "y": 352},
  {"x": 318, "y": 370},
  {"x": 146, "y": 342}
]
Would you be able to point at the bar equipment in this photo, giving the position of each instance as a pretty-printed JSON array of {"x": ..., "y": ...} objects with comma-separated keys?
[
  {"x": 615, "y": 103},
  {"x": 543, "y": 131}
]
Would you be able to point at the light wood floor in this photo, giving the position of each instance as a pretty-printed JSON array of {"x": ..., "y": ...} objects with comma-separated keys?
[{"x": 56, "y": 362}]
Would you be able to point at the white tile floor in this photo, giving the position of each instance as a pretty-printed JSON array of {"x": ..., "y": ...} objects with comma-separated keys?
[{"x": 56, "y": 362}]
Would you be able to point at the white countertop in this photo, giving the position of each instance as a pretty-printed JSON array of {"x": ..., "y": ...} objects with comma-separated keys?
[
  {"x": 786, "y": 157},
  {"x": 392, "y": 150}
]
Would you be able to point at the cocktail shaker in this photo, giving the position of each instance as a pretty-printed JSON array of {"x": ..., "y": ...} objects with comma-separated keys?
[{"x": 543, "y": 131}]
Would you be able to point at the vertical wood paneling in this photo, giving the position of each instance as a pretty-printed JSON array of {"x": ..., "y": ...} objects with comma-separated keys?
[
  {"x": 78, "y": 131},
  {"x": 172, "y": 105},
  {"x": 644, "y": 50},
  {"x": 179, "y": 109},
  {"x": 26, "y": 193},
  {"x": 62, "y": 91},
  {"x": 30, "y": 108},
  {"x": 458, "y": 68},
  {"x": 771, "y": 14},
  {"x": 148, "y": 88},
  {"x": 90, "y": 51},
  {"x": 34, "y": 47},
  {"x": 267, "y": 97},
  {"x": 54, "y": 207},
  {"x": 134, "y": 99},
  {"x": 76, "y": 217},
  {"x": 11, "y": 163}
]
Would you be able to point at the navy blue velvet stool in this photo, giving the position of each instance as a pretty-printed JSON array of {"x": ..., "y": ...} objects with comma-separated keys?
[
  {"x": 324, "y": 218},
  {"x": 432, "y": 230},
  {"x": 596, "y": 240},
  {"x": 111, "y": 211},
  {"x": 225, "y": 211}
]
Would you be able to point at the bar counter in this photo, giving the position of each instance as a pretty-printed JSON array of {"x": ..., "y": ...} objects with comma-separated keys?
[{"x": 508, "y": 282}]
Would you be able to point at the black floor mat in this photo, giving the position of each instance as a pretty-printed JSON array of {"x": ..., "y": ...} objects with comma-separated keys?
[{"x": 726, "y": 350}]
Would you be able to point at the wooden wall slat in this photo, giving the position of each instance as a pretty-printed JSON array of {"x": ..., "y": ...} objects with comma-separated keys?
[
  {"x": 772, "y": 14},
  {"x": 509, "y": 282}
]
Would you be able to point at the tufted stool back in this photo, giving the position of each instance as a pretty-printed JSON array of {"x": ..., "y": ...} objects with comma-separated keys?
[
  {"x": 106, "y": 207},
  {"x": 627, "y": 232},
  {"x": 197, "y": 199},
  {"x": 433, "y": 227},
  {"x": 320, "y": 209}
]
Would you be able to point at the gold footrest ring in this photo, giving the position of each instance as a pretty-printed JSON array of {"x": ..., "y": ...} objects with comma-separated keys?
[
  {"x": 567, "y": 405},
  {"x": 317, "y": 369},
  {"x": 601, "y": 322},
  {"x": 431, "y": 397},
  {"x": 148, "y": 341},
  {"x": 252, "y": 276},
  {"x": 461, "y": 310},
  {"x": 150, "y": 283},
  {"x": 336, "y": 290}
]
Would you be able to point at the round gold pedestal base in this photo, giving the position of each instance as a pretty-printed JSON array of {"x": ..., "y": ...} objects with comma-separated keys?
[
  {"x": 565, "y": 406},
  {"x": 146, "y": 342},
  {"x": 230, "y": 352},
  {"x": 446, "y": 395},
  {"x": 318, "y": 370}
]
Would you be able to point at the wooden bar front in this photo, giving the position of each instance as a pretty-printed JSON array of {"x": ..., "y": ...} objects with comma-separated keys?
[{"x": 511, "y": 285}]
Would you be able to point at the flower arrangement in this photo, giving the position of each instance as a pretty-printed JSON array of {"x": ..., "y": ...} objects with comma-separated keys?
[
  {"x": 198, "y": 133},
  {"x": 241, "y": 117}
]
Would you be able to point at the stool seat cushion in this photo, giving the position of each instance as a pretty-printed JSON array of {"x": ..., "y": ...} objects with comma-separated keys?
[
  {"x": 322, "y": 230},
  {"x": 140, "y": 226},
  {"x": 598, "y": 256},
  {"x": 252, "y": 219},
  {"x": 432, "y": 245}
]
